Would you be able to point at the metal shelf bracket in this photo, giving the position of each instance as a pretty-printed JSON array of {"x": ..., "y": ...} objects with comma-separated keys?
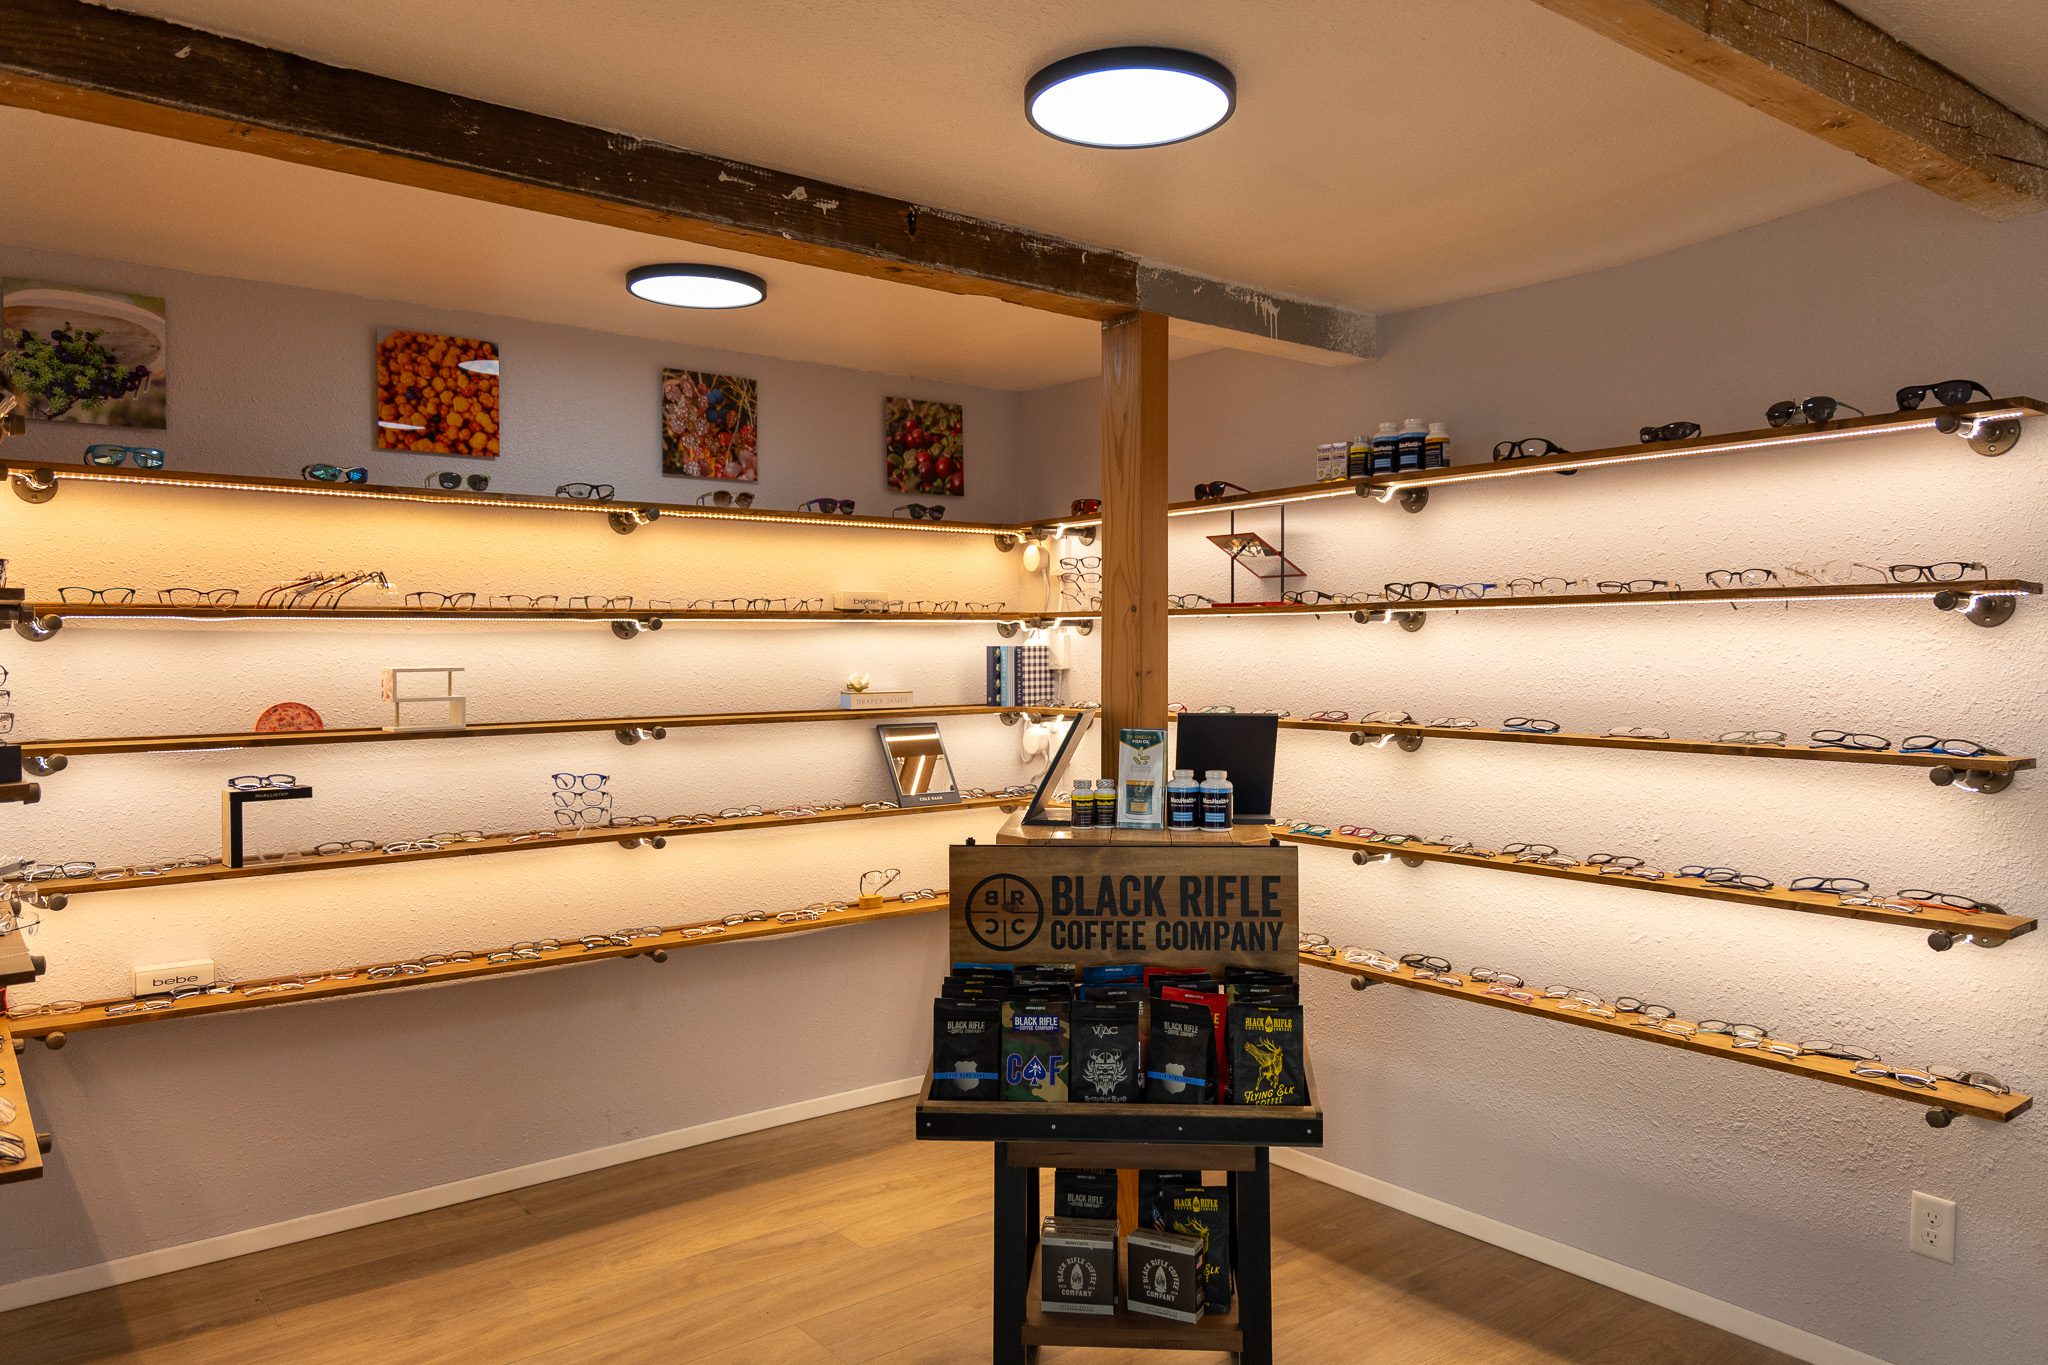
[
  {"x": 37, "y": 628},
  {"x": 42, "y": 765},
  {"x": 1984, "y": 437},
  {"x": 628, "y": 520},
  {"x": 1407, "y": 744},
  {"x": 1979, "y": 609},
  {"x": 33, "y": 485},
  {"x": 1969, "y": 780},
  {"x": 634, "y": 734}
]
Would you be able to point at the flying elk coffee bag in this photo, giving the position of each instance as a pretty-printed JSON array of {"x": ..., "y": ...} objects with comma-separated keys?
[{"x": 1105, "y": 1049}]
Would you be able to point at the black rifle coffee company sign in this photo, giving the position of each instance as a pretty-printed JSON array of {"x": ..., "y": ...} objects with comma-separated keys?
[{"x": 1161, "y": 905}]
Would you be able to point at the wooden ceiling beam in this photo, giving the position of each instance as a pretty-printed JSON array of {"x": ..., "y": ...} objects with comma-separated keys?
[
  {"x": 147, "y": 75},
  {"x": 1817, "y": 66}
]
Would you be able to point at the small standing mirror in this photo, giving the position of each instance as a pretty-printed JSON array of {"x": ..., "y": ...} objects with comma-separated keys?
[{"x": 916, "y": 758}]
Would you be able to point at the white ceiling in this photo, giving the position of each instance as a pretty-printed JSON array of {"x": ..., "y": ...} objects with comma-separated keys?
[
  {"x": 2000, "y": 46},
  {"x": 1383, "y": 155}
]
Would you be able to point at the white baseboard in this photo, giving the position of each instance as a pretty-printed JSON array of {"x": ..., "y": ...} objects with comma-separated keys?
[
  {"x": 1779, "y": 1336},
  {"x": 64, "y": 1283}
]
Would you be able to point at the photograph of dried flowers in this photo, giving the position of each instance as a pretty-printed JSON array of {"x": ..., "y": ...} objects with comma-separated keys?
[
  {"x": 709, "y": 426},
  {"x": 437, "y": 395},
  {"x": 923, "y": 448}
]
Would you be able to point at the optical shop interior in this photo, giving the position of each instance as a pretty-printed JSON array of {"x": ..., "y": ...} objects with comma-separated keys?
[{"x": 781, "y": 684}]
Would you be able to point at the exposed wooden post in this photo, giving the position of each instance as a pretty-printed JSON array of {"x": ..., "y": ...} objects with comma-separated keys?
[{"x": 1133, "y": 540}]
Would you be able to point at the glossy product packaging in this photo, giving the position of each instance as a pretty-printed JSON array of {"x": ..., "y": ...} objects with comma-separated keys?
[
  {"x": 1141, "y": 779},
  {"x": 964, "y": 1041},
  {"x": 1105, "y": 1048},
  {"x": 1164, "y": 1275},
  {"x": 1077, "y": 1259},
  {"x": 1034, "y": 1051},
  {"x": 1266, "y": 1060}
]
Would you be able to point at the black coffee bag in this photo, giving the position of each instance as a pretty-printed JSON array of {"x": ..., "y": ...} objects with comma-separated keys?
[
  {"x": 965, "y": 1039},
  {"x": 1084, "y": 1194},
  {"x": 1203, "y": 1211},
  {"x": 1180, "y": 1054},
  {"x": 1266, "y": 1062},
  {"x": 1155, "y": 1192},
  {"x": 1103, "y": 1042},
  {"x": 1034, "y": 1050}
]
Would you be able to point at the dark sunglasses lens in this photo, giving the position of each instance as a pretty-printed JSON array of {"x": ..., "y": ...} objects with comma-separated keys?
[
  {"x": 1820, "y": 410},
  {"x": 479, "y": 482},
  {"x": 357, "y": 475},
  {"x": 1781, "y": 413},
  {"x": 448, "y": 480},
  {"x": 1951, "y": 392}
]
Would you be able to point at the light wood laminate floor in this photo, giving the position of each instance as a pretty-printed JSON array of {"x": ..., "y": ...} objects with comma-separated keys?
[{"x": 839, "y": 1241}]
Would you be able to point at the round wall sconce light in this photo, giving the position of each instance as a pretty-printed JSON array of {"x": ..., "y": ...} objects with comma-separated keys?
[
  {"x": 1130, "y": 97},
  {"x": 696, "y": 286}
]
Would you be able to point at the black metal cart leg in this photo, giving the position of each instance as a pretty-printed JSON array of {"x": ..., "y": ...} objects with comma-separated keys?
[
  {"x": 1015, "y": 1216},
  {"x": 1254, "y": 1247}
]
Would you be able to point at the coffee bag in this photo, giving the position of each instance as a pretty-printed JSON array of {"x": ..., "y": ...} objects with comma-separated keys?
[
  {"x": 1266, "y": 1059},
  {"x": 1180, "y": 1054},
  {"x": 965, "y": 1039},
  {"x": 1104, "y": 1044}
]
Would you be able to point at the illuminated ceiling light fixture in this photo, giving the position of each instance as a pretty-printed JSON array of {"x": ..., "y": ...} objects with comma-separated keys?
[
  {"x": 1130, "y": 97},
  {"x": 696, "y": 286}
]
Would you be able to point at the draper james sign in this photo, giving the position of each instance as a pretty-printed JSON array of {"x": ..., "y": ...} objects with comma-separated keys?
[{"x": 1164, "y": 905}]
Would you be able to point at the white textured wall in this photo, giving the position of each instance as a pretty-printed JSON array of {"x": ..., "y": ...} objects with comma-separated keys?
[
  {"x": 1785, "y": 1197},
  {"x": 171, "y": 1134}
]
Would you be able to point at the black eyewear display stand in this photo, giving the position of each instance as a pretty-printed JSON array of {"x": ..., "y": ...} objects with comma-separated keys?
[{"x": 231, "y": 803}]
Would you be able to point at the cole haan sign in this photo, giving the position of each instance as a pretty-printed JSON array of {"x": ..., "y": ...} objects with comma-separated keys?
[{"x": 1165, "y": 905}]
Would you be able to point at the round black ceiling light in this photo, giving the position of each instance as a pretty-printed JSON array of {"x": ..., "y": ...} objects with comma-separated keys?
[
  {"x": 1130, "y": 97},
  {"x": 696, "y": 286}
]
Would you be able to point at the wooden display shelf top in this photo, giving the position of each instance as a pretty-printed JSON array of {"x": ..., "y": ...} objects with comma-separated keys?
[
  {"x": 1015, "y": 831},
  {"x": 151, "y": 744},
  {"x": 1236, "y": 502},
  {"x": 1123, "y": 1328},
  {"x": 55, "y": 1028},
  {"x": 1985, "y": 927},
  {"x": 497, "y": 843},
  {"x": 24, "y": 1124},
  {"x": 1960, "y": 1099},
  {"x": 464, "y": 497},
  {"x": 1766, "y": 438},
  {"x": 1989, "y": 763},
  {"x": 158, "y": 611},
  {"x": 1177, "y": 1125},
  {"x": 1817, "y": 592}
]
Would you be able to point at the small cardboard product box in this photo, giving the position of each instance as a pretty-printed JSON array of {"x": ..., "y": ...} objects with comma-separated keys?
[
  {"x": 1077, "y": 1265},
  {"x": 1164, "y": 1276}
]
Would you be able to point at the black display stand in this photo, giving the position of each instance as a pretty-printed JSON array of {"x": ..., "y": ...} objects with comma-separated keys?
[
  {"x": 1029, "y": 1138},
  {"x": 231, "y": 803}
]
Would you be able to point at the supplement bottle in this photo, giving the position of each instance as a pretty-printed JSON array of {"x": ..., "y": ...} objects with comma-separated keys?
[
  {"x": 1183, "y": 800},
  {"x": 1217, "y": 799}
]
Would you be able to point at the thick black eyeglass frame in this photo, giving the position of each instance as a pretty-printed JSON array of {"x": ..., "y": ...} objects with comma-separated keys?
[
  {"x": 1949, "y": 393},
  {"x": 588, "y": 492},
  {"x": 1670, "y": 431}
]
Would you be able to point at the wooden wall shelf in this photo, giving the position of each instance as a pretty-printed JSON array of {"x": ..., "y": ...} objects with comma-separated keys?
[
  {"x": 1775, "y": 439},
  {"x": 55, "y": 1028},
  {"x": 24, "y": 1124},
  {"x": 1237, "y": 502},
  {"x": 20, "y": 793},
  {"x": 30, "y": 473},
  {"x": 1985, "y": 928},
  {"x": 151, "y": 611},
  {"x": 1989, "y": 763},
  {"x": 51, "y": 749},
  {"x": 1957, "y": 1099},
  {"x": 500, "y": 843},
  {"x": 1979, "y": 588}
]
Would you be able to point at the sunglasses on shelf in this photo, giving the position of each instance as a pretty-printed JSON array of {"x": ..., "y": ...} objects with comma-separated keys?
[
  {"x": 921, "y": 511},
  {"x": 105, "y": 456},
  {"x": 449, "y": 480},
  {"x": 334, "y": 473},
  {"x": 842, "y": 507},
  {"x": 1670, "y": 431},
  {"x": 1818, "y": 410},
  {"x": 1085, "y": 507},
  {"x": 1948, "y": 392},
  {"x": 725, "y": 497},
  {"x": 587, "y": 492},
  {"x": 1209, "y": 492}
]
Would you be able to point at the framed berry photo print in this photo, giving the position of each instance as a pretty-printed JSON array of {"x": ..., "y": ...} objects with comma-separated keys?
[{"x": 923, "y": 447}]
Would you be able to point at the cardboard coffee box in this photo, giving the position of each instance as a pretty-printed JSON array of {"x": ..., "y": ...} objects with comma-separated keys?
[
  {"x": 1077, "y": 1265},
  {"x": 1165, "y": 1275}
]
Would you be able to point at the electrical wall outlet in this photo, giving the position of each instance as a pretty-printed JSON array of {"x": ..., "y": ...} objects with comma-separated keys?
[
  {"x": 172, "y": 977},
  {"x": 1931, "y": 1231}
]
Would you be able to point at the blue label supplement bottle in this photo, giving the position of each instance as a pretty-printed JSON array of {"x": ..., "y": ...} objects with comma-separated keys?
[
  {"x": 1386, "y": 445},
  {"x": 1412, "y": 442},
  {"x": 1217, "y": 799},
  {"x": 1183, "y": 800}
]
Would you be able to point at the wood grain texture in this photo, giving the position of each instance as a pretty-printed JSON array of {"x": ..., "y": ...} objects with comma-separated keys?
[
  {"x": 94, "y": 1014},
  {"x": 872, "y": 1245},
  {"x": 344, "y": 494},
  {"x": 159, "y": 744},
  {"x": 146, "y": 74},
  {"x": 499, "y": 843},
  {"x": 1915, "y": 593},
  {"x": 1989, "y": 763},
  {"x": 1960, "y": 1099},
  {"x": 1993, "y": 928},
  {"x": 1775, "y": 441},
  {"x": 1134, "y": 499},
  {"x": 1817, "y": 66},
  {"x": 23, "y": 1126},
  {"x": 639, "y": 611}
]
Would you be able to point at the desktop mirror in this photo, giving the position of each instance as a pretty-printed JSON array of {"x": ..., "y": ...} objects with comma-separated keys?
[{"x": 918, "y": 767}]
